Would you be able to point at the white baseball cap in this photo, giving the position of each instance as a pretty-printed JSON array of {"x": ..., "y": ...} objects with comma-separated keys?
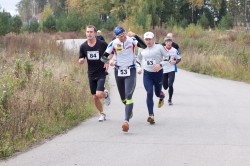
[
  {"x": 149, "y": 35},
  {"x": 99, "y": 31}
]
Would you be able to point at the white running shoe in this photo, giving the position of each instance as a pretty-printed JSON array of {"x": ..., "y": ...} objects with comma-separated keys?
[
  {"x": 102, "y": 117},
  {"x": 170, "y": 102},
  {"x": 107, "y": 97}
]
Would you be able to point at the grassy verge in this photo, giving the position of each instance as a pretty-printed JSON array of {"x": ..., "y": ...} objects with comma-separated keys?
[
  {"x": 43, "y": 91},
  {"x": 221, "y": 54}
]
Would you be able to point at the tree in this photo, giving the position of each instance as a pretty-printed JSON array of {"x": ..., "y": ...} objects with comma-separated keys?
[
  {"x": 33, "y": 25},
  {"x": 40, "y": 4},
  {"x": 234, "y": 10},
  {"x": 226, "y": 23},
  {"x": 24, "y": 8},
  {"x": 60, "y": 7},
  {"x": 49, "y": 25},
  {"x": 16, "y": 24},
  {"x": 46, "y": 12},
  {"x": 194, "y": 4},
  {"x": 223, "y": 9},
  {"x": 70, "y": 22},
  {"x": 5, "y": 23},
  {"x": 204, "y": 22}
]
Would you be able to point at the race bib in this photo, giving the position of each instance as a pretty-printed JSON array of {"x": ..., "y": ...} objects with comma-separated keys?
[
  {"x": 93, "y": 55},
  {"x": 123, "y": 72},
  {"x": 167, "y": 59},
  {"x": 150, "y": 62}
]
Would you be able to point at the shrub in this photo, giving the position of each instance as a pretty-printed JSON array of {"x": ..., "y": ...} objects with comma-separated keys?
[
  {"x": 184, "y": 23},
  {"x": 204, "y": 22},
  {"x": 193, "y": 31},
  {"x": 49, "y": 25},
  {"x": 16, "y": 24},
  {"x": 225, "y": 23},
  {"x": 33, "y": 25},
  {"x": 5, "y": 23}
]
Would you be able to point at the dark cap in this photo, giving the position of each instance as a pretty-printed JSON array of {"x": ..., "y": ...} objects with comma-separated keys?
[
  {"x": 168, "y": 38},
  {"x": 119, "y": 30}
]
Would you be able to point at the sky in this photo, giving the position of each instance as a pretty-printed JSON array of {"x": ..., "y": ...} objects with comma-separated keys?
[{"x": 9, "y": 6}]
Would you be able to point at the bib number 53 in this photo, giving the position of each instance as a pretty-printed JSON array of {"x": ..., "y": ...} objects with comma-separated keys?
[{"x": 123, "y": 72}]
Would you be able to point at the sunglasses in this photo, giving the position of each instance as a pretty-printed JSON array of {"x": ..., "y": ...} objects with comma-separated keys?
[{"x": 121, "y": 35}]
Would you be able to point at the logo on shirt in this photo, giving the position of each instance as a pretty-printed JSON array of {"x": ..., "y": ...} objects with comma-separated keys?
[{"x": 119, "y": 48}]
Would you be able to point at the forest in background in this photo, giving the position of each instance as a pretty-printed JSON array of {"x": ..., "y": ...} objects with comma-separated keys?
[{"x": 74, "y": 15}]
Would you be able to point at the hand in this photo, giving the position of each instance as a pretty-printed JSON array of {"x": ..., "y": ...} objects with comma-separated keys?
[
  {"x": 131, "y": 34},
  {"x": 81, "y": 60},
  {"x": 173, "y": 62},
  {"x": 106, "y": 65},
  {"x": 157, "y": 67},
  {"x": 139, "y": 70},
  {"x": 112, "y": 62}
]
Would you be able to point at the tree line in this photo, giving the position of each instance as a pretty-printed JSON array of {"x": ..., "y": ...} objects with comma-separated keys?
[{"x": 72, "y": 15}]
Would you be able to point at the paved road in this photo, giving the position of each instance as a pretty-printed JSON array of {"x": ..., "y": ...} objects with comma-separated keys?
[{"x": 208, "y": 125}]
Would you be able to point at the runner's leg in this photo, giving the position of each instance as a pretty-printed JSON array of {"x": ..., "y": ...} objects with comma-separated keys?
[
  {"x": 148, "y": 85},
  {"x": 130, "y": 83}
]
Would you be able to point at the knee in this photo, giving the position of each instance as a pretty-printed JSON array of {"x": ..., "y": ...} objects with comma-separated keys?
[
  {"x": 165, "y": 87},
  {"x": 150, "y": 93},
  {"x": 95, "y": 97},
  {"x": 129, "y": 101},
  {"x": 171, "y": 86},
  {"x": 99, "y": 94}
]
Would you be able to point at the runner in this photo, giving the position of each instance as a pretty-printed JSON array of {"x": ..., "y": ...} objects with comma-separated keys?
[
  {"x": 99, "y": 36},
  {"x": 175, "y": 45},
  {"x": 125, "y": 69},
  {"x": 92, "y": 50},
  {"x": 169, "y": 69},
  {"x": 151, "y": 58}
]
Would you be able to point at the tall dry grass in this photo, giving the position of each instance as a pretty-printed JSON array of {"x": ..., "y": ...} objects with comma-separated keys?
[
  {"x": 223, "y": 54},
  {"x": 43, "y": 90}
]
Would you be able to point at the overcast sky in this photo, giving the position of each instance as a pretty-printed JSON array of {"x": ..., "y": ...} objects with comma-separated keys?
[{"x": 9, "y": 6}]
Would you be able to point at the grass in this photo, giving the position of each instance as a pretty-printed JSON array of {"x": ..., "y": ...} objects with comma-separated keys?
[
  {"x": 43, "y": 91},
  {"x": 222, "y": 54}
]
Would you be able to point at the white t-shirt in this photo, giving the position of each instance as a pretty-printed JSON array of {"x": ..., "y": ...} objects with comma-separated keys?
[
  {"x": 149, "y": 57},
  {"x": 124, "y": 52},
  {"x": 173, "y": 54}
]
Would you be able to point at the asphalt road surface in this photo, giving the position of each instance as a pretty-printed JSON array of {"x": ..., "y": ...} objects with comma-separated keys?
[{"x": 208, "y": 125}]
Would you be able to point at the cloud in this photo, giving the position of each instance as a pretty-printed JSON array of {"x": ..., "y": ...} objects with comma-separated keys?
[{"x": 9, "y": 6}]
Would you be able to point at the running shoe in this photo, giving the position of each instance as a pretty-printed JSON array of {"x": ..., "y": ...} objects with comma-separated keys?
[
  {"x": 102, "y": 117},
  {"x": 161, "y": 100},
  {"x": 151, "y": 120},
  {"x": 170, "y": 102},
  {"x": 107, "y": 98},
  {"x": 160, "y": 103},
  {"x": 125, "y": 126}
]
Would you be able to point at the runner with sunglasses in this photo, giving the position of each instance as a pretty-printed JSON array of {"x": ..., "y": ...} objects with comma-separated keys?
[{"x": 124, "y": 61}]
